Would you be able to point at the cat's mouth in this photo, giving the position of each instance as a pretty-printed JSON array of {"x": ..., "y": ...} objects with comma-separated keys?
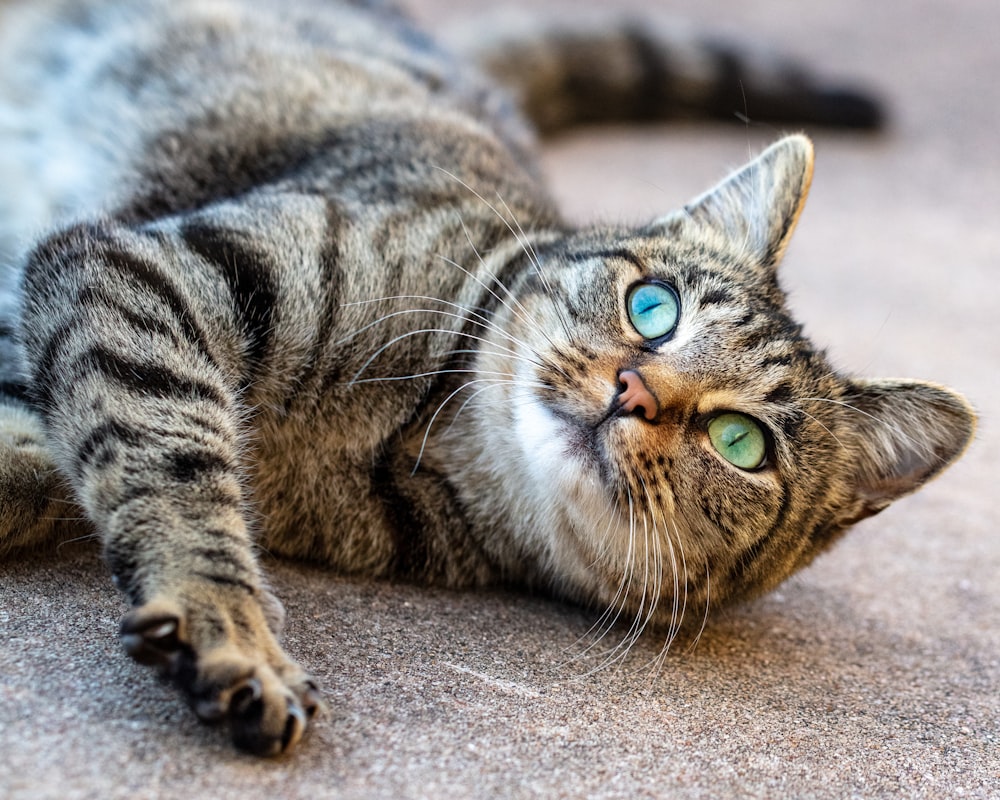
[{"x": 582, "y": 440}]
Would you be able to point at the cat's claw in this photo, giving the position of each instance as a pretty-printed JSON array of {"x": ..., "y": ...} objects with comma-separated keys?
[
  {"x": 267, "y": 700},
  {"x": 150, "y": 639}
]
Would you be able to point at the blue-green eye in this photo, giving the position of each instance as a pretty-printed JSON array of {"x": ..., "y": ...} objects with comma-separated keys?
[
  {"x": 653, "y": 309},
  {"x": 738, "y": 439}
]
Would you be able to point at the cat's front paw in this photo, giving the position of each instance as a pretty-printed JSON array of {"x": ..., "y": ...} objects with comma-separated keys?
[
  {"x": 35, "y": 508},
  {"x": 228, "y": 664}
]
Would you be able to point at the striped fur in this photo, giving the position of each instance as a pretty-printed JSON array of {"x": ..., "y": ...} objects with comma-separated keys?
[{"x": 302, "y": 289}]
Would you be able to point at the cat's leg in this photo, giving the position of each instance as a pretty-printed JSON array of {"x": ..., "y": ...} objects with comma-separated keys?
[{"x": 133, "y": 354}]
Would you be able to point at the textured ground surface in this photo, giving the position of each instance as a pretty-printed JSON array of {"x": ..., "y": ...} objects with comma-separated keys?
[{"x": 873, "y": 674}]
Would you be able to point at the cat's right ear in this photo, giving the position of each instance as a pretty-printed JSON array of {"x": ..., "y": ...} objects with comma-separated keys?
[{"x": 755, "y": 208}]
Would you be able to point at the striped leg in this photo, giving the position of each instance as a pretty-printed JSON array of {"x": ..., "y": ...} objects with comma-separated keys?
[{"x": 143, "y": 418}]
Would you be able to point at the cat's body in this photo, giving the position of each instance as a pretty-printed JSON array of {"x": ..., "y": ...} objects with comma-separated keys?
[{"x": 300, "y": 284}]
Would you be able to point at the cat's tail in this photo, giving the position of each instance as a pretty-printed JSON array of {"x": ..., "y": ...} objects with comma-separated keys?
[{"x": 575, "y": 70}]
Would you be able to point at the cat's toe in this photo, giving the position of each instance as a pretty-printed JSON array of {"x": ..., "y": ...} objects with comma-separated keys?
[
  {"x": 266, "y": 718},
  {"x": 151, "y": 634}
]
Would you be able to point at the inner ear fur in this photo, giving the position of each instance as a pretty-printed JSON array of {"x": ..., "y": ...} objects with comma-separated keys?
[
  {"x": 903, "y": 434},
  {"x": 757, "y": 207}
]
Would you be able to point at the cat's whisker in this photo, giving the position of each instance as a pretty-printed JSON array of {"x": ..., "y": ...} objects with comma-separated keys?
[
  {"x": 510, "y": 300},
  {"x": 443, "y": 404},
  {"x": 708, "y": 604},
  {"x": 608, "y": 618},
  {"x": 408, "y": 334},
  {"x": 475, "y": 318},
  {"x": 647, "y": 601},
  {"x": 517, "y": 309},
  {"x": 538, "y": 361},
  {"x": 618, "y": 653},
  {"x": 500, "y": 352},
  {"x": 675, "y": 545},
  {"x": 474, "y": 396},
  {"x": 89, "y": 537},
  {"x": 616, "y": 607},
  {"x": 597, "y": 628},
  {"x": 463, "y": 313},
  {"x": 506, "y": 222},
  {"x": 521, "y": 238},
  {"x": 513, "y": 377},
  {"x": 658, "y": 564},
  {"x": 537, "y": 266}
]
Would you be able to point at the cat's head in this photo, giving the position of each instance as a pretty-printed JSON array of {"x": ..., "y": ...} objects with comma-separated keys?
[{"x": 671, "y": 435}]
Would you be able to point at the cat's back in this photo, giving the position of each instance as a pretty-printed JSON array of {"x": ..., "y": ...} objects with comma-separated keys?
[{"x": 105, "y": 101}]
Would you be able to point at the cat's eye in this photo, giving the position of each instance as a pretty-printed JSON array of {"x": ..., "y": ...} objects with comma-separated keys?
[
  {"x": 653, "y": 309},
  {"x": 738, "y": 439}
]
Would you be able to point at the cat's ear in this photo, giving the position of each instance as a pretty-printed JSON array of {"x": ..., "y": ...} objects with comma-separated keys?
[
  {"x": 756, "y": 207},
  {"x": 903, "y": 433}
]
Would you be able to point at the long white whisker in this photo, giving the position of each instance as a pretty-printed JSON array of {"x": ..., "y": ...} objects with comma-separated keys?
[
  {"x": 513, "y": 377},
  {"x": 708, "y": 604},
  {"x": 440, "y": 408},
  {"x": 517, "y": 309},
  {"x": 624, "y": 590},
  {"x": 520, "y": 236},
  {"x": 476, "y": 318},
  {"x": 397, "y": 339},
  {"x": 514, "y": 305},
  {"x": 606, "y": 622},
  {"x": 491, "y": 207}
]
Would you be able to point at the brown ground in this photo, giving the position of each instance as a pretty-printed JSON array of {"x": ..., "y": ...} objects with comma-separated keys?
[{"x": 874, "y": 673}]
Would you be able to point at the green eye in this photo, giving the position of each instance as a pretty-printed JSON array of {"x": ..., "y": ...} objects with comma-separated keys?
[
  {"x": 738, "y": 439},
  {"x": 653, "y": 309}
]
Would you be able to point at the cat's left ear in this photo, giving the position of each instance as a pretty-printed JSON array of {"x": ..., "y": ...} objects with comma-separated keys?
[
  {"x": 903, "y": 434},
  {"x": 755, "y": 208}
]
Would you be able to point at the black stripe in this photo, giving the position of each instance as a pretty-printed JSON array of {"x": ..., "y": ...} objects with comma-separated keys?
[
  {"x": 146, "y": 379},
  {"x": 654, "y": 97},
  {"x": 122, "y": 559},
  {"x": 776, "y": 361},
  {"x": 44, "y": 374},
  {"x": 92, "y": 297},
  {"x": 187, "y": 466},
  {"x": 99, "y": 438},
  {"x": 715, "y": 297},
  {"x": 16, "y": 390},
  {"x": 223, "y": 533},
  {"x": 608, "y": 255},
  {"x": 780, "y": 394},
  {"x": 249, "y": 275},
  {"x": 216, "y": 554},
  {"x": 133, "y": 493},
  {"x": 750, "y": 555},
  {"x": 330, "y": 276},
  {"x": 225, "y": 580},
  {"x": 156, "y": 283}
]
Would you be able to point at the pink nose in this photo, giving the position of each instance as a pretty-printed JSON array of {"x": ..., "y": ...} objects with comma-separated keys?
[{"x": 635, "y": 395}]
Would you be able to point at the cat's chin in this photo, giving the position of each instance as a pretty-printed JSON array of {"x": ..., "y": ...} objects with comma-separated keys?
[{"x": 561, "y": 455}]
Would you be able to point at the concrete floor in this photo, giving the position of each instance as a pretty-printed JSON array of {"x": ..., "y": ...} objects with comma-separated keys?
[{"x": 874, "y": 673}]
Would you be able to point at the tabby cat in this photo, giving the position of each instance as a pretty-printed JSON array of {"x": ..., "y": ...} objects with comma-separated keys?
[{"x": 299, "y": 286}]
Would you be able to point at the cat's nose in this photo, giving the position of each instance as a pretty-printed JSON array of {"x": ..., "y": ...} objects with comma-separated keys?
[{"x": 635, "y": 397}]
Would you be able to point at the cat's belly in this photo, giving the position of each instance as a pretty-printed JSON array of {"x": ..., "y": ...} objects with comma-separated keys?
[{"x": 315, "y": 497}]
